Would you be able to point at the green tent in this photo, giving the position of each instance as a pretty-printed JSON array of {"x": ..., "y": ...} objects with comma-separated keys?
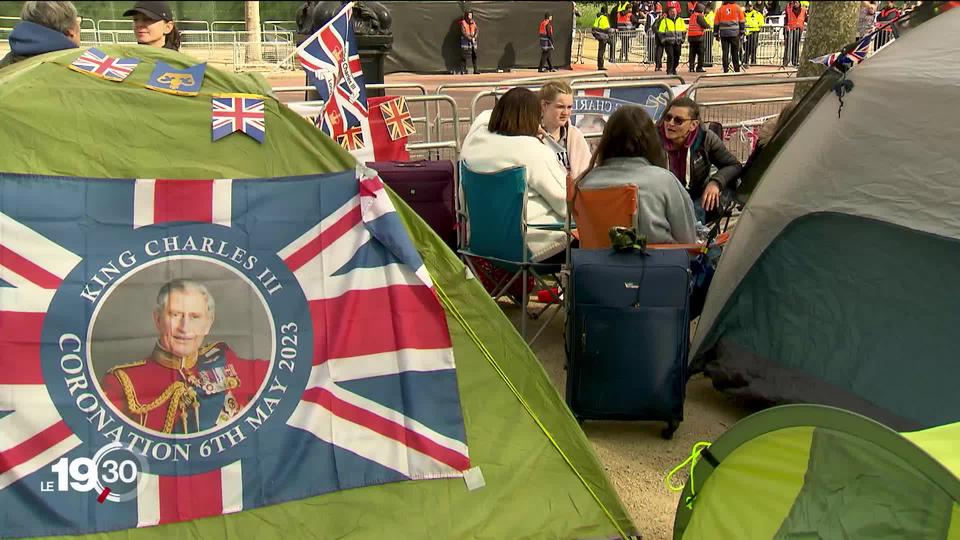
[
  {"x": 818, "y": 472},
  {"x": 542, "y": 478}
]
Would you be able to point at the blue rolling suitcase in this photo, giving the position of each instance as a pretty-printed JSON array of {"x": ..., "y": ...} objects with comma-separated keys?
[{"x": 627, "y": 335}]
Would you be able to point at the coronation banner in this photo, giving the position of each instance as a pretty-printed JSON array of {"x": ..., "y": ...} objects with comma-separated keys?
[{"x": 176, "y": 349}]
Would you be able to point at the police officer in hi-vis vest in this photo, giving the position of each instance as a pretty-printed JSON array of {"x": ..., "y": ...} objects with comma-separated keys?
[{"x": 754, "y": 21}]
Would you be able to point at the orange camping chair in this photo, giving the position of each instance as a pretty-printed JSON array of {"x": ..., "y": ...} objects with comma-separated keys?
[{"x": 596, "y": 210}]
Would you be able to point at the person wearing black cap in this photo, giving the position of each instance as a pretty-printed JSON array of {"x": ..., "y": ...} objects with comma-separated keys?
[{"x": 153, "y": 25}]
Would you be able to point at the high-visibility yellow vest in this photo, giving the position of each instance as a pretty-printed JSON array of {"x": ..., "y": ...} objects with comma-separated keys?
[
  {"x": 709, "y": 17},
  {"x": 754, "y": 21},
  {"x": 672, "y": 29},
  {"x": 601, "y": 22}
]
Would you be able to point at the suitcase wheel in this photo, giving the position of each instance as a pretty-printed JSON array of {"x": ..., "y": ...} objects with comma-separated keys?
[{"x": 668, "y": 431}]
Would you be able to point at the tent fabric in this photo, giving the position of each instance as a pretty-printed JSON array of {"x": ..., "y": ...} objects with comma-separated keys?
[
  {"x": 60, "y": 122},
  {"x": 810, "y": 471},
  {"x": 887, "y": 157}
]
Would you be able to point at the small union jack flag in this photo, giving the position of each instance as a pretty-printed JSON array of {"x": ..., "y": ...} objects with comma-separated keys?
[
  {"x": 233, "y": 113},
  {"x": 397, "y": 117},
  {"x": 99, "y": 64},
  {"x": 852, "y": 58},
  {"x": 351, "y": 139}
]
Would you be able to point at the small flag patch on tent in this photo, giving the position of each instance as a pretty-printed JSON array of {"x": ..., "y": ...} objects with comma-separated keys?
[
  {"x": 99, "y": 64},
  {"x": 233, "y": 113},
  {"x": 182, "y": 82},
  {"x": 397, "y": 117}
]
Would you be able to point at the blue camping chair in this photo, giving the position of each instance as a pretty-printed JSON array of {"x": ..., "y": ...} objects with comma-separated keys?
[{"x": 495, "y": 209}]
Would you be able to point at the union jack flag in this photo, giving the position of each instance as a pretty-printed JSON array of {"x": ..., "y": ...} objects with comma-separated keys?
[
  {"x": 99, "y": 64},
  {"x": 397, "y": 117},
  {"x": 351, "y": 139},
  {"x": 361, "y": 388},
  {"x": 232, "y": 113},
  {"x": 332, "y": 64},
  {"x": 852, "y": 58}
]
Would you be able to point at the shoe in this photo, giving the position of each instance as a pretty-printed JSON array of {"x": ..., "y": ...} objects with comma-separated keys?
[
  {"x": 540, "y": 70},
  {"x": 476, "y": 72},
  {"x": 659, "y": 69},
  {"x": 601, "y": 68},
  {"x": 553, "y": 69},
  {"x": 701, "y": 70}
]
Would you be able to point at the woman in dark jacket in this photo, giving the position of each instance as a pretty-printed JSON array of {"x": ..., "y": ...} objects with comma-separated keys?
[{"x": 692, "y": 152}]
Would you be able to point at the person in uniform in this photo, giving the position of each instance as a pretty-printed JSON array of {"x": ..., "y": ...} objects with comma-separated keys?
[{"x": 184, "y": 386}]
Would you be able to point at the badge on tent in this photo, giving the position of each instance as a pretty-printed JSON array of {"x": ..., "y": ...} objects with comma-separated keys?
[
  {"x": 238, "y": 112},
  {"x": 95, "y": 62},
  {"x": 182, "y": 82}
]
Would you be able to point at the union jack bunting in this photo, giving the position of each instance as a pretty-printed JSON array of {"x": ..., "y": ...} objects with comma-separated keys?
[
  {"x": 332, "y": 64},
  {"x": 397, "y": 117},
  {"x": 99, "y": 64},
  {"x": 351, "y": 139},
  {"x": 238, "y": 113},
  {"x": 326, "y": 365},
  {"x": 855, "y": 56}
]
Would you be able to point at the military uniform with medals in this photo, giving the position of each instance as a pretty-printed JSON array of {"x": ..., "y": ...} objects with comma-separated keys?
[{"x": 185, "y": 395}]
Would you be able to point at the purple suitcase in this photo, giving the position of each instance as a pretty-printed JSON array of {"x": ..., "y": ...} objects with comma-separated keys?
[{"x": 428, "y": 187}]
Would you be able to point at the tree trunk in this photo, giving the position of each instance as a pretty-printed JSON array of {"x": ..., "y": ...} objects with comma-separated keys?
[
  {"x": 831, "y": 27},
  {"x": 252, "y": 20}
]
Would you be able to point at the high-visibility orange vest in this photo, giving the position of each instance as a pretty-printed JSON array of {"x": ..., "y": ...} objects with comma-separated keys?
[
  {"x": 693, "y": 27},
  {"x": 728, "y": 21},
  {"x": 794, "y": 21},
  {"x": 543, "y": 28},
  {"x": 623, "y": 13}
]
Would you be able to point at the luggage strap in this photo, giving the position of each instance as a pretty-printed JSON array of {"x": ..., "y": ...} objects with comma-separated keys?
[{"x": 699, "y": 450}]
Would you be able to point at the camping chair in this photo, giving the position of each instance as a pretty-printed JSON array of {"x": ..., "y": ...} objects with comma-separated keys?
[
  {"x": 595, "y": 211},
  {"x": 495, "y": 208}
]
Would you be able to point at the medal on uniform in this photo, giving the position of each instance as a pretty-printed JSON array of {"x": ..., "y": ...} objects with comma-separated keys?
[{"x": 216, "y": 380}]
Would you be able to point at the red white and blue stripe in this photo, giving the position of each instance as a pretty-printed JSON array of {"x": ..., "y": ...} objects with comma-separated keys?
[
  {"x": 237, "y": 113},
  {"x": 100, "y": 64}
]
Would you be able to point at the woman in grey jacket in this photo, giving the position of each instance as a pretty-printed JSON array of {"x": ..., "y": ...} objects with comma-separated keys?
[{"x": 629, "y": 152}]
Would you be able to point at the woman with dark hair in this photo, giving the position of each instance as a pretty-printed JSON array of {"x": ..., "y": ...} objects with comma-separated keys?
[
  {"x": 153, "y": 25},
  {"x": 629, "y": 152},
  {"x": 692, "y": 151},
  {"x": 508, "y": 137},
  {"x": 546, "y": 42}
]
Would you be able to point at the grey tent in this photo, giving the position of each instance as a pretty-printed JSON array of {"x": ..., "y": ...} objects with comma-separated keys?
[{"x": 840, "y": 284}]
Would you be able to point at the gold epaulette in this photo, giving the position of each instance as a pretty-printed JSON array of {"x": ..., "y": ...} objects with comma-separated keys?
[
  {"x": 209, "y": 346},
  {"x": 173, "y": 393},
  {"x": 125, "y": 366}
]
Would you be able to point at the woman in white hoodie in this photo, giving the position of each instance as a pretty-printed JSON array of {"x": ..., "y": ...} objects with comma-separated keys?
[{"x": 508, "y": 137}]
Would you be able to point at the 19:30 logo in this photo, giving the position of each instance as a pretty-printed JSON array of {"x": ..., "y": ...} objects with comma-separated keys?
[{"x": 113, "y": 478}]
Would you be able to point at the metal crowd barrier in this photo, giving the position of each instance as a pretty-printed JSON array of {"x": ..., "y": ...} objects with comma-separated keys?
[
  {"x": 636, "y": 45},
  {"x": 742, "y": 118},
  {"x": 496, "y": 93},
  {"x": 703, "y": 85},
  {"x": 419, "y": 147}
]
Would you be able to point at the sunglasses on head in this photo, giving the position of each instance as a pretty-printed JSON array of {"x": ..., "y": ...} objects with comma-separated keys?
[{"x": 675, "y": 120}]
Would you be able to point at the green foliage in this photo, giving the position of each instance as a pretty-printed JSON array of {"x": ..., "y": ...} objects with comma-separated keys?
[{"x": 588, "y": 13}]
